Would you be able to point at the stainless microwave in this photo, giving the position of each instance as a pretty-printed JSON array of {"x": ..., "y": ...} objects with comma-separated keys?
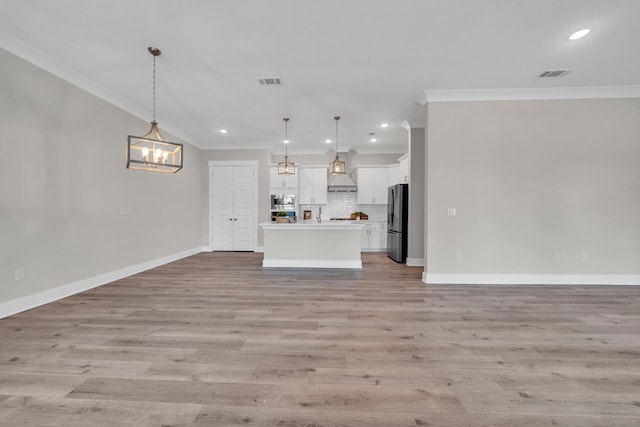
[{"x": 283, "y": 202}]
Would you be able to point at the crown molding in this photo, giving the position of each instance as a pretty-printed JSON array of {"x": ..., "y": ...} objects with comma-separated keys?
[
  {"x": 595, "y": 92},
  {"x": 41, "y": 60}
]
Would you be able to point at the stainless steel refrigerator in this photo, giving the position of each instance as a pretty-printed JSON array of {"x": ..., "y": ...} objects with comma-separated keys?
[{"x": 397, "y": 219}]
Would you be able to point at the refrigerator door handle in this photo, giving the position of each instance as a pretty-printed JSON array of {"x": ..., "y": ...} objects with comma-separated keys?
[{"x": 392, "y": 206}]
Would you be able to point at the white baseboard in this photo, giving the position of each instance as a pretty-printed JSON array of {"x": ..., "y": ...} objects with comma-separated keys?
[
  {"x": 31, "y": 301},
  {"x": 531, "y": 279},
  {"x": 310, "y": 263},
  {"x": 415, "y": 262}
]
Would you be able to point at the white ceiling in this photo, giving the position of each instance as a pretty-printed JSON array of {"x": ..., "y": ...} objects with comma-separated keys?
[{"x": 368, "y": 61}]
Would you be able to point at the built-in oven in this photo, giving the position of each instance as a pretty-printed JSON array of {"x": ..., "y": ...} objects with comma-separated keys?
[{"x": 283, "y": 202}]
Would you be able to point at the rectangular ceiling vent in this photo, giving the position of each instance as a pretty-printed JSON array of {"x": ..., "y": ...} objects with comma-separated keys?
[
  {"x": 268, "y": 81},
  {"x": 554, "y": 73}
]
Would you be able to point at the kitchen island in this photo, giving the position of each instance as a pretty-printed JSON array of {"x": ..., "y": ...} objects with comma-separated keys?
[{"x": 312, "y": 244}]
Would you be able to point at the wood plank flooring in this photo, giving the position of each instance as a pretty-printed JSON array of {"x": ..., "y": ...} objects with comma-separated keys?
[{"x": 216, "y": 340}]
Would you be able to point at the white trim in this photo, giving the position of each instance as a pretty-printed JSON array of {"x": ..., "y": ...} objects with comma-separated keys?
[
  {"x": 40, "y": 59},
  {"x": 31, "y": 301},
  {"x": 259, "y": 249},
  {"x": 310, "y": 263},
  {"x": 415, "y": 262},
  {"x": 532, "y": 279},
  {"x": 373, "y": 250},
  {"x": 533, "y": 93}
]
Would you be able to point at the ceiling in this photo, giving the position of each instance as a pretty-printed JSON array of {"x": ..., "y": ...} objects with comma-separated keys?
[{"x": 368, "y": 61}]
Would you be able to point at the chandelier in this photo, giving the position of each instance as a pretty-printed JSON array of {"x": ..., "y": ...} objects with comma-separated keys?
[
  {"x": 152, "y": 152},
  {"x": 286, "y": 167},
  {"x": 336, "y": 167}
]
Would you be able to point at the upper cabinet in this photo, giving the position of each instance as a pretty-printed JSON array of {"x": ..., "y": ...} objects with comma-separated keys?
[
  {"x": 404, "y": 169},
  {"x": 399, "y": 172},
  {"x": 283, "y": 182},
  {"x": 313, "y": 186},
  {"x": 394, "y": 174},
  {"x": 373, "y": 183}
]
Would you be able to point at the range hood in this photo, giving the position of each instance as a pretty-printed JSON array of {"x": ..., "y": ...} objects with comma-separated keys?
[{"x": 341, "y": 183}]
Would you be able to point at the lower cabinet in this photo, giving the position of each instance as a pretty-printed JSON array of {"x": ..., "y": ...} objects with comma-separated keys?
[{"x": 374, "y": 237}]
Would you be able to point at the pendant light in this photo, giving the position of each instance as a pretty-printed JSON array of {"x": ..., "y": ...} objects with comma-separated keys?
[
  {"x": 336, "y": 167},
  {"x": 286, "y": 167},
  {"x": 152, "y": 152}
]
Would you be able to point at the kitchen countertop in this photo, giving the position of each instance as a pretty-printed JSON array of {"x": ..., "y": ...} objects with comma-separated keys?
[{"x": 313, "y": 224}]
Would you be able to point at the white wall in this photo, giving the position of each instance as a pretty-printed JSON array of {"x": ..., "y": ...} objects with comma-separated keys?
[
  {"x": 63, "y": 183},
  {"x": 530, "y": 179}
]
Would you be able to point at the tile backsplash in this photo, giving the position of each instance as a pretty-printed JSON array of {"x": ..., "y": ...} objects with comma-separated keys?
[{"x": 341, "y": 205}]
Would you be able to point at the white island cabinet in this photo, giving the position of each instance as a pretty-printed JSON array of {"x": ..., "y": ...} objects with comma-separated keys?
[{"x": 312, "y": 245}]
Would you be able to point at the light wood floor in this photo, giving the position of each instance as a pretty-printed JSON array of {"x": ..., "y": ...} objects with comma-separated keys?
[{"x": 215, "y": 340}]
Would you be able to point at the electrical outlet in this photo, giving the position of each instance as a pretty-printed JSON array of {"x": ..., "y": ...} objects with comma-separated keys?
[
  {"x": 19, "y": 274},
  {"x": 584, "y": 257},
  {"x": 557, "y": 257},
  {"x": 459, "y": 256},
  {"x": 451, "y": 211},
  {"x": 125, "y": 211},
  {"x": 563, "y": 257}
]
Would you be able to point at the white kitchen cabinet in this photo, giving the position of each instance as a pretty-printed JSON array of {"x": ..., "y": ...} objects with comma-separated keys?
[
  {"x": 313, "y": 186},
  {"x": 288, "y": 183},
  {"x": 395, "y": 175},
  {"x": 404, "y": 169},
  {"x": 373, "y": 184},
  {"x": 374, "y": 237}
]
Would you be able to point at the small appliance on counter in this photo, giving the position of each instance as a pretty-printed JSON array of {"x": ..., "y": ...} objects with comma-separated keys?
[{"x": 397, "y": 220}]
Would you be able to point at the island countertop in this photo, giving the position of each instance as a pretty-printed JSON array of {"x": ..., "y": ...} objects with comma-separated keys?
[{"x": 342, "y": 225}]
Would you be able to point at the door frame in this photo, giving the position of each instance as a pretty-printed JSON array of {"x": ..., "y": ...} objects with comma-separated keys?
[{"x": 214, "y": 163}]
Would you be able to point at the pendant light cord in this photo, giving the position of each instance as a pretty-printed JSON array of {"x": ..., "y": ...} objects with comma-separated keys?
[
  {"x": 286, "y": 139},
  {"x": 154, "y": 52},
  {"x": 154, "y": 87},
  {"x": 337, "y": 118}
]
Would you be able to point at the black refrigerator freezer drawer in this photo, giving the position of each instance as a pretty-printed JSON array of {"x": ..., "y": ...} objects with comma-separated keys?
[{"x": 395, "y": 247}]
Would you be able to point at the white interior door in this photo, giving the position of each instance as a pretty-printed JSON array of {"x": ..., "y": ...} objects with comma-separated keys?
[
  {"x": 233, "y": 207},
  {"x": 222, "y": 201},
  {"x": 244, "y": 210}
]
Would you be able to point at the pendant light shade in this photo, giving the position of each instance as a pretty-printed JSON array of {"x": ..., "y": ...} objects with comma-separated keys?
[
  {"x": 286, "y": 167},
  {"x": 152, "y": 152},
  {"x": 337, "y": 166}
]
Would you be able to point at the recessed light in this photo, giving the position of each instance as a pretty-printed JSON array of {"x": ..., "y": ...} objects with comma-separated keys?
[
  {"x": 373, "y": 140},
  {"x": 222, "y": 130},
  {"x": 328, "y": 141},
  {"x": 286, "y": 141},
  {"x": 384, "y": 125},
  {"x": 580, "y": 34}
]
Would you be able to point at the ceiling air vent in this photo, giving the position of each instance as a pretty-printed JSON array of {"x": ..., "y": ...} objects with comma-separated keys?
[
  {"x": 268, "y": 81},
  {"x": 555, "y": 73}
]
